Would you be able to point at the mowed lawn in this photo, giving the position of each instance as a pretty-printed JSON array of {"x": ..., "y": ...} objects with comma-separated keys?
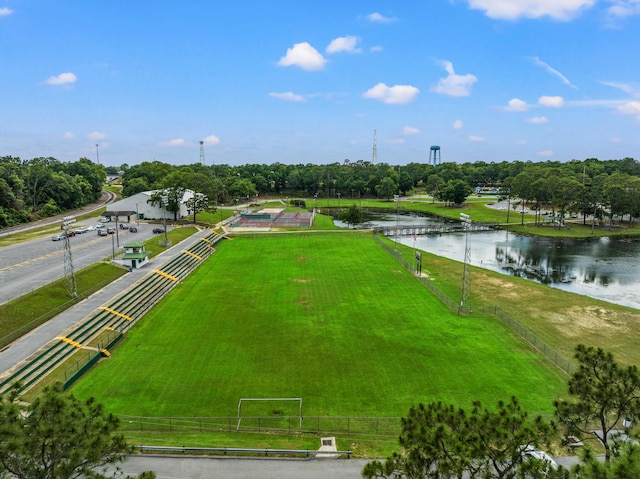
[{"x": 330, "y": 318}]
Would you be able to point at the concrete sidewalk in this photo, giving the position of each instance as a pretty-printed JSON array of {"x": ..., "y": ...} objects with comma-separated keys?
[{"x": 23, "y": 348}]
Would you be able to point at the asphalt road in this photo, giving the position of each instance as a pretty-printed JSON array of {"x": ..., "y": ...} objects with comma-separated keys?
[
  {"x": 27, "y": 266},
  {"x": 180, "y": 467}
]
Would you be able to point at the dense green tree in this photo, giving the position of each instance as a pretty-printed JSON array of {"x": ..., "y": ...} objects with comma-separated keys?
[
  {"x": 174, "y": 197},
  {"x": 351, "y": 215},
  {"x": 197, "y": 203},
  {"x": 386, "y": 188},
  {"x": 454, "y": 192},
  {"x": 441, "y": 441},
  {"x": 405, "y": 182},
  {"x": 58, "y": 437},
  {"x": 603, "y": 394}
]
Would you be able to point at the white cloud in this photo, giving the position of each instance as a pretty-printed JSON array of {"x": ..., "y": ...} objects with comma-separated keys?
[
  {"x": 553, "y": 71},
  {"x": 379, "y": 18},
  {"x": 303, "y": 55},
  {"x": 409, "y": 130},
  {"x": 375, "y": 49},
  {"x": 69, "y": 135},
  {"x": 545, "y": 153},
  {"x": 551, "y": 101},
  {"x": 514, "y": 9},
  {"x": 537, "y": 120},
  {"x": 516, "y": 104},
  {"x": 344, "y": 44},
  {"x": 96, "y": 135},
  {"x": 476, "y": 139},
  {"x": 458, "y": 124},
  {"x": 631, "y": 108},
  {"x": 393, "y": 95},
  {"x": 62, "y": 79},
  {"x": 173, "y": 142},
  {"x": 624, "y": 8},
  {"x": 211, "y": 140},
  {"x": 287, "y": 96},
  {"x": 4, "y": 12},
  {"x": 454, "y": 85},
  {"x": 631, "y": 89}
]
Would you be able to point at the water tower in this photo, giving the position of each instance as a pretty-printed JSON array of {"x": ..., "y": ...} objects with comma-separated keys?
[{"x": 434, "y": 155}]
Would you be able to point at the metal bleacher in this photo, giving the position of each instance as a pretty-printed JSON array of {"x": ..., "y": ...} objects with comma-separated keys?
[{"x": 115, "y": 317}]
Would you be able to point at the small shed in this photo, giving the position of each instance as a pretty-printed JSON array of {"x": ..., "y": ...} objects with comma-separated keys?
[{"x": 135, "y": 255}]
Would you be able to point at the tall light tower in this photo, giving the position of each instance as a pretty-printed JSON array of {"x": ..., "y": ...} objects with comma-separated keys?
[
  {"x": 69, "y": 275},
  {"x": 465, "y": 293},
  {"x": 375, "y": 149},
  {"x": 97, "y": 154},
  {"x": 201, "y": 152}
]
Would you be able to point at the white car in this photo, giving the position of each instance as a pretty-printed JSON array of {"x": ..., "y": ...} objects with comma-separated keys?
[
  {"x": 57, "y": 237},
  {"x": 532, "y": 452},
  {"x": 90, "y": 228},
  {"x": 100, "y": 225}
]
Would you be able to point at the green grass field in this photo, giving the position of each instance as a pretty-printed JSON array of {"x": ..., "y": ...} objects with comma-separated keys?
[{"x": 329, "y": 318}]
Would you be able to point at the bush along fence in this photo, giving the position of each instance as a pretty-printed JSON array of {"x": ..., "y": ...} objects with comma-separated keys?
[{"x": 551, "y": 354}]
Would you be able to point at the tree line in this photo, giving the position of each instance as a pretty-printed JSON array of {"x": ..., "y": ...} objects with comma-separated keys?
[
  {"x": 606, "y": 188},
  {"x": 42, "y": 187}
]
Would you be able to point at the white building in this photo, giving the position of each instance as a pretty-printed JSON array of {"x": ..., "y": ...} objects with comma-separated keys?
[{"x": 139, "y": 203}]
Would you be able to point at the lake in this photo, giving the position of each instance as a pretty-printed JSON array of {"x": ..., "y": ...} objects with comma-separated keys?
[{"x": 603, "y": 268}]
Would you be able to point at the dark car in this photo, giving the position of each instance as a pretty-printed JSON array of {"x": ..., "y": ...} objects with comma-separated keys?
[
  {"x": 133, "y": 229},
  {"x": 157, "y": 230},
  {"x": 111, "y": 230}
]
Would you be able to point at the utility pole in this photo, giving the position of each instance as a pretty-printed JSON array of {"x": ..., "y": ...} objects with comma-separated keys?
[
  {"x": 465, "y": 293},
  {"x": 69, "y": 274},
  {"x": 201, "y": 152}
]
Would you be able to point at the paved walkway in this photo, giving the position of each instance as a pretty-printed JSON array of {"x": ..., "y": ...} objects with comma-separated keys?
[{"x": 24, "y": 347}]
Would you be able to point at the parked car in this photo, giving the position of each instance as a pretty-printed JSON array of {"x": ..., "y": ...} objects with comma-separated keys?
[
  {"x": 111, "y": 230},
  {"x": 90, "y": 228},
  {"x": 157, "y": 230},
  {"x": 133, "y": 229},
  {"x": 124, "y": 226},
  {"x": 80, "y": 230},
  {"x": 57, "y": 237},
  {"x": 102, "y": 232},
  {"x": 100, "y": 225}
]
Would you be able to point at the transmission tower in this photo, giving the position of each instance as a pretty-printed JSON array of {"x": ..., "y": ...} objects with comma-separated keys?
[
  {"x": 375, "y": 149},
  {"x": 465, "y": 293},
  {"x": 201, "y": 152},
  {"x": 69, "y": 274}
]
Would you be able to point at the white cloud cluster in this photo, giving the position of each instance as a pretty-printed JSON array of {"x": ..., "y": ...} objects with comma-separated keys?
[
  {"x": 538, "y": 120},
  {"x": 287, "y": 96},
  {"x": 96, "y": 135},
  {"x": 393, "y": 95},
  {"x": 551, "y": 101},
  {"x": 69, "y": 135},
  {"x": 174, "y": 142},
  {"x": 5, "y": 11},
  {"x": 476, "y": 139},
  {"x": 376, "y": 17},
  {"x": 516, "y": 104},
  {"x": 211, "y": 140},
  {"x": 303, "y": 55},
  {"x": 409, "y": 130},
  {"x": 624, "y": 8},
  {"x": 458, "y": 124},
  {"x": 62, "y": 79},
  {"x": 515, "y": 9},
  {"x": 344, "y": 44},
  {"x": 453, "y": 84},
  {"x": 631, "y": 108}
]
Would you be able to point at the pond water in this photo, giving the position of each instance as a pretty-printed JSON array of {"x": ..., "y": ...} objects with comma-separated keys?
[{"x": 603, "y": 268}]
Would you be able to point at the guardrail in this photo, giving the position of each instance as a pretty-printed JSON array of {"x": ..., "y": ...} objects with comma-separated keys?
[{"x": 241, "y": 450}]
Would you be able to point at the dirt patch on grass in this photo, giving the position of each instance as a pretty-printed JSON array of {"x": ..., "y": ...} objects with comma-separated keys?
[
  {"x": 575, "y": 321},
  {"x": 300, "y": 259},
  {"x": 302, "y": 280}
]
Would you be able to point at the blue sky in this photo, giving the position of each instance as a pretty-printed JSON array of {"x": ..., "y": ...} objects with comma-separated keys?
[{"x": 310, "y": 81}]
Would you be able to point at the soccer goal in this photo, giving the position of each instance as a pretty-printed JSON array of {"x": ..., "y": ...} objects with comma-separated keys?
[{"x": 268, "y": 409}]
